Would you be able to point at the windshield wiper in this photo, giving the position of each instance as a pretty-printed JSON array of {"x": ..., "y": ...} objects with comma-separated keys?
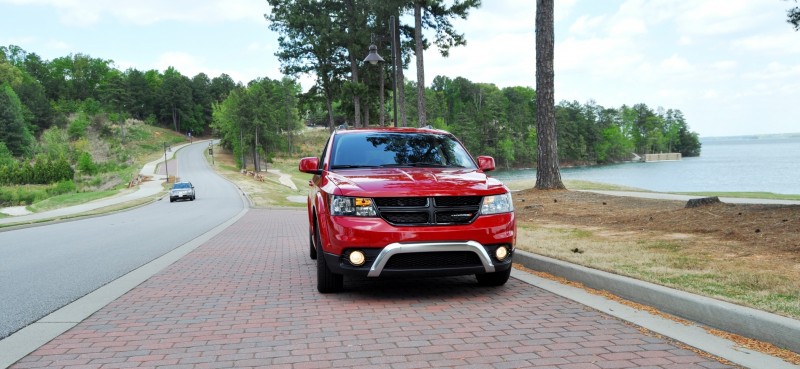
[
  {"x": 352, "y": 166},
  {"x": 432, "y": 165}
]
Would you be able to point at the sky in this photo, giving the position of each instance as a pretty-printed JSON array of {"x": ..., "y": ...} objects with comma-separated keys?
[{"x": 731, "y": 66}]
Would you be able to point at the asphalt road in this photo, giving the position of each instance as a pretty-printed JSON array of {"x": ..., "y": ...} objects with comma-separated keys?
[{"x": 45, "y": 267}]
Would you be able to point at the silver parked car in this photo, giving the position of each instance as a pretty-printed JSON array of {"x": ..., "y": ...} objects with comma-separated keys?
[{"x": 181, "y": 191}]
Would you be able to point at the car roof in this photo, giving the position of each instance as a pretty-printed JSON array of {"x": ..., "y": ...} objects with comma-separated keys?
[{"x": 392, "y": 130}]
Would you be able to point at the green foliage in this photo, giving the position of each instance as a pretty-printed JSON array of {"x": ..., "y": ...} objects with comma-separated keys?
[
  {"x": 22, "y": 195},
  {"x": 6, "y": 157},
  {"x": 90, "y": 107},
  {"x": 77, "y": 127},
  {"x": 260, "y": 118},
  {"x": 62, "y": 187},
  {"x": 85, "y": 163},
  {"x": 14, "y": 131},
  {"x": 41, "y": 172}
]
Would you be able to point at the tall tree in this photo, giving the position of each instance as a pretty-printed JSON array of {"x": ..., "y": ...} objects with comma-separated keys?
[
  {"x": 418, "y": 48},
  {"x": 436, "y": 14},
  {"x": 310, "y": 43},
  {"x": 548, "y": 175},
  {"x": 221, "y": 86},
  {"x": 201, "y": 97},
  {"x": 13, "y": 130},
  {"x": 176, "y": 99},
  {"x": 356, "y": 34}
]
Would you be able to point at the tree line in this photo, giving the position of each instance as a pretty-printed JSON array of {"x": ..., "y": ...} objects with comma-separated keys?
[
  {"x": 327, "y": 39},
  {"x": 502, "y": 123}
]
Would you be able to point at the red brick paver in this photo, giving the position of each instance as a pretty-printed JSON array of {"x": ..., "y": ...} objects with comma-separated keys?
[{"x": 247, "y": 298}]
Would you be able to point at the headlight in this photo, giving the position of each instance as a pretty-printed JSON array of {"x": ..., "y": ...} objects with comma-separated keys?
[
  {"x": 352, "y": 206},
  {"x": 497, "y": 204}
]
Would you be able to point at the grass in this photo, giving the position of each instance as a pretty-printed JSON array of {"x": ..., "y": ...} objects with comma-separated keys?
[
  {"x": 680, "y": 264},
  {"x": 746, "y": 195},
  {"x": 572, "y": 184},
  {"x": 270, "y": 193},
  {"x": 71, "y": 199},
  {"x": 580, "y": 185}
]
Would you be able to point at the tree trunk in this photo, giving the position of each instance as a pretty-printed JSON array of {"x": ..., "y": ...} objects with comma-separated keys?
[
  {"x": 548, "y": 175},
  {"x": 256, "y": 164},
  {"x": 382, "y": 95},
  {"x": 326, "y": 89},
  {"x": 356, "y": 98},
  {"x": 420, "y": 64},
  {"x": 329, "y": 105},
  {"x": 399, "y": 80},
  {"x": 175, "y": 117},
  {"x": 354, "y": 74}
]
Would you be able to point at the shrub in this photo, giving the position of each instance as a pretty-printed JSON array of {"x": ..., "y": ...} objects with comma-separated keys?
[
  {"x": 85, "y": 163},
  {"x": 62, "y": 187},
  {"x": 77, "y": 128},
  {"x": 90, "y": 106},
  {"x": 21, "y": 195}
]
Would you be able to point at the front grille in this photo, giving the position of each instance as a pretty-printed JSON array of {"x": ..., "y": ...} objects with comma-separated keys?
[
  {"x": 437, "y": 210},
  {"x": 405, "y": 218},
  {"x": 458, "y": 201},
  {"x": 401, "y": 201},
  {"x": 434, "y": 260}
]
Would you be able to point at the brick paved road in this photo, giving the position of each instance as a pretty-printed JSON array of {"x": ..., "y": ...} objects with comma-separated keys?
[{"x": 247, "y": 298}]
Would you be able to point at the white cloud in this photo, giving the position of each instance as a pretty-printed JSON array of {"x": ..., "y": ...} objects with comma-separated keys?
[
  {"x": 711, "y": 94},
  {"x": 627, "y": 27},
  {"x": 607, "y": 56},
  {"x": 57, "y": 45},
  {"x": 783, "y": 43},
  {"x": 144, "y": 12},
  {"x": 586, "y": 25},
  {"x": 185, "y": 63},
  {"x": 775, "y": 71},
  {"x": 676, "y": 64},
  {"x": 725, "y": 65},
  {"x": 562, "y": 10}
]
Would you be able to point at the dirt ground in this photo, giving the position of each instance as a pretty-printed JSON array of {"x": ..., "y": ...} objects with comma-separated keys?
[{"x": 737, "y": 231}]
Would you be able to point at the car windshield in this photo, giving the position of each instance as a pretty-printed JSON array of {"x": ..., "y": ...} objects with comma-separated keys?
[
  {"x": 390, "y": 149},
  {"x": 181, "y": 185}
]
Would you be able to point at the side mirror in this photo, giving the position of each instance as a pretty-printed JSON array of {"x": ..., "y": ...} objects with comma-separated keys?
[
  {"x": 486, "y": 163},
  {"x": 309, "y": 165}
]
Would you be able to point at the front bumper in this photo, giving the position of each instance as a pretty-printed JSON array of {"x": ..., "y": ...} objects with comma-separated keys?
[
  {"x": 424, "y": 259},
  {"x": 418, "y": 250}
]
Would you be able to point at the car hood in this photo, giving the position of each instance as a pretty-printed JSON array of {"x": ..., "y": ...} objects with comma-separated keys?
[{"x": 400, "y": 182}]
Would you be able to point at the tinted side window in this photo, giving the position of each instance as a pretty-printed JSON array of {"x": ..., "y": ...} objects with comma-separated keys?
[{"x": 322, "y": 156}]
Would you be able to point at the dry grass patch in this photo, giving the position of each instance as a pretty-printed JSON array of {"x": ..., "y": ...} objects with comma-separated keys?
[
  {"x": 269, "y": 193},
  {"x": 687, "y": 262}
]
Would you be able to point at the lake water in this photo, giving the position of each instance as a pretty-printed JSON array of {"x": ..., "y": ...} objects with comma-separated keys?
[{"x": 725, "y": 165}]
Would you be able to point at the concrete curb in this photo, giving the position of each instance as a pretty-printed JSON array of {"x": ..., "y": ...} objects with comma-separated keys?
[{"x": 778, "y": 330}]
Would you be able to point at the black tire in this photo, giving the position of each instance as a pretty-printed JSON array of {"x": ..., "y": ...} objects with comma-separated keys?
[
  {"x": 171, "y": 200},
  {"x": 493, "y": 279},
  {"x": 312, "y": 250},
  {"x": 327, "y": 281}
]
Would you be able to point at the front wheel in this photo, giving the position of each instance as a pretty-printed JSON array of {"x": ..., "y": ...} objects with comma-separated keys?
[
  {"x": 327, "y": 281},
  {"x": 493, "y": 279}
]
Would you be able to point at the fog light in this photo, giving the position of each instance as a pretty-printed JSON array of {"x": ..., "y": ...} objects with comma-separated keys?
[
  {"x": 501, "y": 253},
  {"x": 357, "y": 258}
]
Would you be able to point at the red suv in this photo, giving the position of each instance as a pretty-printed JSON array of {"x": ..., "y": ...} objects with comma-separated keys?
[{"x": 406, "y": 202}]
